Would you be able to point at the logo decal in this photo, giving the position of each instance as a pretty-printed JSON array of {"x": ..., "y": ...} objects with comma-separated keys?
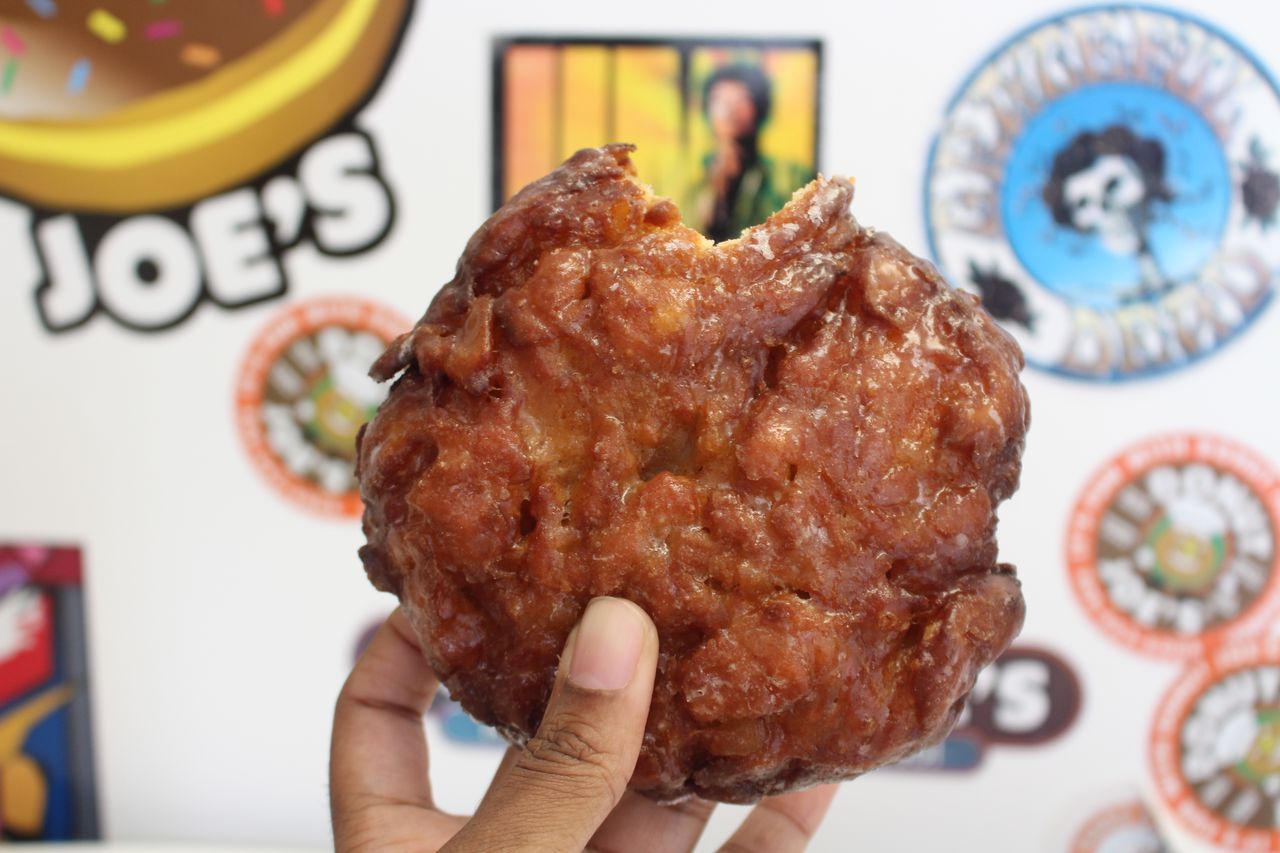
[
  {"x": 1172, "y": 543},
  {"x": 164, "y": 158},
  {"x": 304, "y": 392},
  {"x": 1120, "y": 828},
  {"x": 1215, "y": 747},
  {"x": 1106, "y": 182},
  {"x": 1029, "y": 696}
]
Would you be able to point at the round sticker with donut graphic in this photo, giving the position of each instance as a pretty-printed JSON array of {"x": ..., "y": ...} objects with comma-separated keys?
[
  {"x": 1108, "y": 182},
  {"x": 304, "y": 393},
  {"x": 1119, "y": 828},
  {"x": 1215, "y": 747},
  {"x": 1172, "y": 544}
]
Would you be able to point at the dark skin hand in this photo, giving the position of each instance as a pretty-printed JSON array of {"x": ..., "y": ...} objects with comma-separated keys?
[{"x": 566, "y": 790}]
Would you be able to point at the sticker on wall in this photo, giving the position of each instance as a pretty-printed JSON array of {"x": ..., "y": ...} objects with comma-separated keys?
[
  {"x": 728, "y": 129},
  {"x": 304, "y": 392},
  {"x": 1119, "y": 828},
  {"x": 1172, "y": 544},
  {"x": 1215, "y": 747},
  {"x": 165, "y": 155},
  {"x": 47, "y": 787},
  {"x": 1028, "y": 697},
  {"x": 1107, "y": 182}
]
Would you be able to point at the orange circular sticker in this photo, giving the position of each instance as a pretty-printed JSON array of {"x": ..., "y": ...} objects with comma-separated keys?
[
  {"x": 1171, "y": 547},
  {"x": 1215, "y": 747},
  {"x": 304, "y": 392},
  {"x": 1120, "y": 828}
]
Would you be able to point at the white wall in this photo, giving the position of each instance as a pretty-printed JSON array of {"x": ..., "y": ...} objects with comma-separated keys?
[{"x": 222, "y": 618}]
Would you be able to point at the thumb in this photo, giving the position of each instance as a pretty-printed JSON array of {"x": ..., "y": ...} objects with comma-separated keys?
[{"x": 573, "y": 771}]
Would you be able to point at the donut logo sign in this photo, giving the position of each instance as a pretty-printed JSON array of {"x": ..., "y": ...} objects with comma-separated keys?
[
  {"x": 1172, "y": 544},
  {"x": 304, "y": 393},
  {"x": 1215, "y": 747},
  {"x": 1107, "y": 182},
  {"x": 1119, "y": 828},
  {"x": 157, "y": 157}
]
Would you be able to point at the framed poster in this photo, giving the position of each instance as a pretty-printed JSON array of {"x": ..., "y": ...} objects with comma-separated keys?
[{"x": 726, "y": 128}]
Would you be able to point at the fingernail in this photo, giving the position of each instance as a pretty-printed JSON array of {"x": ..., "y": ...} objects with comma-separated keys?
[{"x": 607, "y": 649}]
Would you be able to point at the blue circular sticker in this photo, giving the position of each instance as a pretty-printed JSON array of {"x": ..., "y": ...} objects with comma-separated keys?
[{"x": 1108, "y": 182}]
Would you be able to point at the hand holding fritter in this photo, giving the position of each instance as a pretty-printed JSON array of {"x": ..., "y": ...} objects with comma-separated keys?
[{"x": 787, "y": 448}]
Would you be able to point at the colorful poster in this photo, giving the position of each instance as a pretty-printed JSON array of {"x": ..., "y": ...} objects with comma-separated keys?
[
  {"x": 47, "y": 788},
  {"x": 729, "y": 129}
]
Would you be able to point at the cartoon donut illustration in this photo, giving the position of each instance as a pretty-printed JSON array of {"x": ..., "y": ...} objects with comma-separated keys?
[{"x": 135, "y": 105}]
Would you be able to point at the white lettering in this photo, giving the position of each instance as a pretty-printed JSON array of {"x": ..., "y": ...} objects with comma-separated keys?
[
  {"x": 1117, "y": 532},
  {"x": 69, "y": 298},
  {"x": 148, "y": 273},
  {"x": 1022, "y": 696},
  {"x": 237, "y": 254},
  {"x": 353, "y": 207}
]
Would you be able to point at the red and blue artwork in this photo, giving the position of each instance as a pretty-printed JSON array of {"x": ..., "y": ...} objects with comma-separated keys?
[{"x": 47, "y": 789}]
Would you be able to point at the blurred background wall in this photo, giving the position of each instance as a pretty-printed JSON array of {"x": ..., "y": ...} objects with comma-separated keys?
[{"x": 212, "y": 221}]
